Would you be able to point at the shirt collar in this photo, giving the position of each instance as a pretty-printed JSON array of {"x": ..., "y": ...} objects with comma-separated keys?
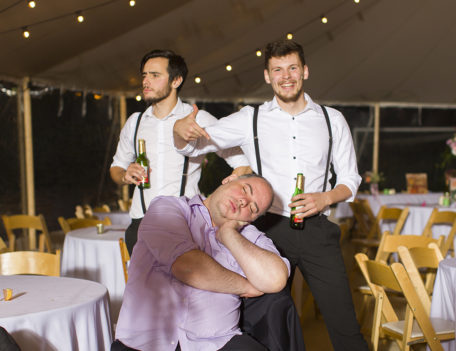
[
  {"x": 177, "y": 110},
  {"x": 311, "y": 105},
  {"x": 197, "y": 201}
]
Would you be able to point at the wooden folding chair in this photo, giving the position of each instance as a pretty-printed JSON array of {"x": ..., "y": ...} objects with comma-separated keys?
[
  {"x": 389, "y": 245},
  {"x": 421, "y": 258},
  {"x": 76, "y": 223},
  {"x": 103, "y": 208},
  {"x": 417, "y": 327},
  {"x": 385, "y": 215},
  {"x": 442, "y": 218},
  {"x": 364, "y": 218},
  {"x": 32, "y": 223},
  {"x": 125, "y": 255},
  {"x": 30, "y": 262}
]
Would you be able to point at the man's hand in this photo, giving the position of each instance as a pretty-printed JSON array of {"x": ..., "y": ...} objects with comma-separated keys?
[
  {"x": 134, "y": 174},
  {"x": 186, "y": 129},
  {"x": 309, "y": 204},
  {"x": 251, "y": 291},
  {"x": 229, "y": 228}
]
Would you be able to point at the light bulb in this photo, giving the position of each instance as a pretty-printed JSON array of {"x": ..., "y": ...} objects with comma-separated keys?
[
  {"x": 32, "y": 4},
  {"x": 229, "y": 67},
  {"x": 138, "y": 98},
  {"x": 324, "y": 19},
  {"x": 289, "y": 36},
  {"x": 25, "y": 33},
  {"x": 197, "y": 80},
  {"x": 132, "y": 3},
  {"x": 258, "y": 52}
]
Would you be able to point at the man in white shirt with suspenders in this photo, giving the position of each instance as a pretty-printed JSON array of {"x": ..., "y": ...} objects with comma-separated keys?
[{"x": 292, "y": 134}]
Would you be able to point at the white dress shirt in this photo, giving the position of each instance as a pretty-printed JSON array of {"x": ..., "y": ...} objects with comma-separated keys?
[
  {"x": 288, "y": 145},
  {"x": 166, "y": 165}
]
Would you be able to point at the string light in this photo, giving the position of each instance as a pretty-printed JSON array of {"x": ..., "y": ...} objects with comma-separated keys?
[
  {"x": 97, "y": 96},
  {"x": 138, "y": 98},
  {"x": 25, "y": 33},
  {"x": 228, "y": 67},
  {"x": 324, "y": 19},
  {"x": 132, "y": 3},
  {"x": 258, "y": 52},
  {"x": 79, "y": 17},
  {"x": 289, "y": 36},
  {"x": 197, "y": 80},
  {"x": 32, "y": 4},
  {"x": 356, "y": 1}
]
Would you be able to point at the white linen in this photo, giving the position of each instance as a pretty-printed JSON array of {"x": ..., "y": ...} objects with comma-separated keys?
[
  {"x": 96, "y": 257},
  {"x": 418, "y": 217},
  {"x": 56, "y": 313},
  {"x": 376, "y": 201},
  {"x": 116, "y": 217},
  {"x": 444, "y": 296}
]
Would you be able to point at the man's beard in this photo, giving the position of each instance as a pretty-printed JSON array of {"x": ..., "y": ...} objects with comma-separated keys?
[
  {"x": 292, "y": 98},
  {"x": 161, "y": 95}
]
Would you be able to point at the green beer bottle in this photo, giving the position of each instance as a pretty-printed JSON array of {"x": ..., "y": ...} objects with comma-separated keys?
[
  {"x": 295, "y": 222},
  {"x": 144, "y": 162}
]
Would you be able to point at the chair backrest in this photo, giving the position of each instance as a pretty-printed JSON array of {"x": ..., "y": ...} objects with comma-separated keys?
[
  {"x": 102, "y": 208},
  {"x": 3, "y": 247},
  {"x": 30, "y": 262},
  {"x": 438, "y": 218},
  {"x": 125, "y": 255},
  {"x": 79, "y": 212},
  {"x": 417, "y": 258},
  {"x": 124, "y": 205},
  {"x": 380, "y": 276},
  {"x": 77, "y": 223},
  {"x": 364, "y": 217},
  {"x": 389, "y": 215},
  {"x": 389, "y": 244},
  {"x": 22, "y": 221}
]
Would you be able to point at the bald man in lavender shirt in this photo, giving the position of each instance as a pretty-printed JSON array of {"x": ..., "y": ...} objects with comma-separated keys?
[{"x": 194, "y": 260}]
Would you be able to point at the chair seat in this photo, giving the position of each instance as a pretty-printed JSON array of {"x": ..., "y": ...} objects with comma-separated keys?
[
  {"x": 442, "y": 327},
  {"x": 366, "y": 242}
]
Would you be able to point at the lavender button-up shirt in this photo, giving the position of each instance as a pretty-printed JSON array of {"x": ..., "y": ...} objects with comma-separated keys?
[{"x": 158, "y": 311}]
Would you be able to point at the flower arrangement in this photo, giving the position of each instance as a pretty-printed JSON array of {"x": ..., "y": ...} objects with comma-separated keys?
[
  {"x": 452, "y": 145},
  {"x": 373, "y": 177}
]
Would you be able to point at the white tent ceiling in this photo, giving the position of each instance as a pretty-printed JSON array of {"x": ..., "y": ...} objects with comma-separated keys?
[{"x": 377, "y": 50}]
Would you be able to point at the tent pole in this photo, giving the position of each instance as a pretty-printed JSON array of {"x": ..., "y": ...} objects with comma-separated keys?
[
  {"x": 21, "y": 153},
  {"x": 28, "y": 140},
  {"x": 376, "y": 137},
  {"x": 123, "y": 119}
]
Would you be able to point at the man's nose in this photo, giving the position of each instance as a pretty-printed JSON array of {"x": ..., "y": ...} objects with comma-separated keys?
[{"x": 242, "y": 202}]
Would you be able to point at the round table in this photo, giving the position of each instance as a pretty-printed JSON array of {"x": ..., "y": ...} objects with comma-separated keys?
[
  {"x": 116, "y": 217},
  {"x": 443, "y": 303},
  {"x": 96, "y": 257},
  {"x": 56, "y": 313}
]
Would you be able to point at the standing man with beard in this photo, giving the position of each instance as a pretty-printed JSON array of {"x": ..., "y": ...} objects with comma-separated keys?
[
  {"x": 163, "y": 75},
  {"x": 294, "y": 135}
]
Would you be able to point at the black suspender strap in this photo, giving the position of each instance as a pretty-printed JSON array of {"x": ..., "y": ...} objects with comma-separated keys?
[
  {"x": 255, "y": 140},
  {"x": 184, "y": 171},
  {"x": 141, "y": 189},
  {"x": 257, "y": 150},
  {"x": 328, "y": 160},
  {"x": 184, "y": 176}
]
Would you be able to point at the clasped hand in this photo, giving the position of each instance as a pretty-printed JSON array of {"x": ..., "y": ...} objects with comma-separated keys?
[{"x": 308, "y": 204}]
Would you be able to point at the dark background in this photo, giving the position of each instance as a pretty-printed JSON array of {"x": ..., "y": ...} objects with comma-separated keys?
[{"x": 74, "y": 144}]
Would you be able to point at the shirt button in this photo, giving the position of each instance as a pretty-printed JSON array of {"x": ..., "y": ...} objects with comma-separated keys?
[
  {"x": 294, "y": 157},
  {"x": 294, "y": 137},
  {"x": 292, "y": 118}
]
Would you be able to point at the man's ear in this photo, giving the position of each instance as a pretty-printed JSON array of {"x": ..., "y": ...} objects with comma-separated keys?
[
  {"x": 266, "y": 76},
  {"x": 177, "y": 82},
  {"x": 230, "y": 178}
]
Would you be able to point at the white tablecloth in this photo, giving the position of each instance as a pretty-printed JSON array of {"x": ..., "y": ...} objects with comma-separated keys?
[
  {"x": 56, "y": 313},
  {"x": 444, "y": 296},
  {"x": 418, "y": 217},
  {"x": 343, "y": 209},
  {"x": 96, "y": 257},
  {"x": 116, "y": 217}
]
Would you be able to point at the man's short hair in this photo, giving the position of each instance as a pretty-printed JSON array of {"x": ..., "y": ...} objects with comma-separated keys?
[
  {"x": 282, "y": 48},
  {"x": 176, "y": 64},
  {"x": 251, "y": 175}
]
